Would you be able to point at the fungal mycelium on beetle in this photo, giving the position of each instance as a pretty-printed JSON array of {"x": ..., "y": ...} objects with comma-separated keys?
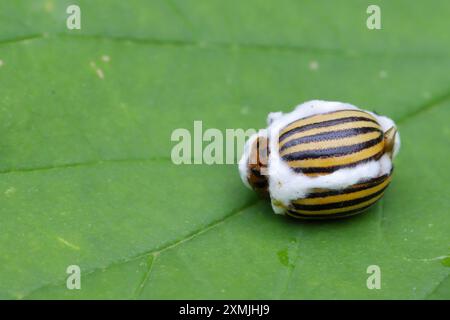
[{"x": 322, "y": 160}]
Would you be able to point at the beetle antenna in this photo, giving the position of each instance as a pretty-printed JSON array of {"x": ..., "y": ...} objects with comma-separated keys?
[{"x": 389, "y": 140}]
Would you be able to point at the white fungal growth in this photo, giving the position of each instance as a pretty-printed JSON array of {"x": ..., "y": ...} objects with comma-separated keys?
[{"x": 285, "y": 185}]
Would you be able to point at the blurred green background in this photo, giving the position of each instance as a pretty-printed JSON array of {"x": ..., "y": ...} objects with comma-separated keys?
[{"x": 85, "y": 171}]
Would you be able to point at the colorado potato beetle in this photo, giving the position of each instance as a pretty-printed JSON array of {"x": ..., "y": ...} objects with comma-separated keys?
[{"x": 323, "y": 160}]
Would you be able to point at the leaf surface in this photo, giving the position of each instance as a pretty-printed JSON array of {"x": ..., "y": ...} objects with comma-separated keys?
[{"x": 86, "y": 118}]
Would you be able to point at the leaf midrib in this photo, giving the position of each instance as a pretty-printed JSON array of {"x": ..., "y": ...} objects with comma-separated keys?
[{"x": 206, "y": 44}]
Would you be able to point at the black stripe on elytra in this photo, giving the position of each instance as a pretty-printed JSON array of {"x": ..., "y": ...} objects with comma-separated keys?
[
  {"x": 367, "y": 185},
  {"x": 334, "y": 168},
  {"x": 328, "y": 215},
  {"x": 332, "y": 152},
  {"x": 322, "y": 124},
  {"x": 337, "y": 205},
  {"x": 330, "y": 135}
]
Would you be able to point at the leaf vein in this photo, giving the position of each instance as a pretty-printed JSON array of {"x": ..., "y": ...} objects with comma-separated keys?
[
  {"x": 201, "y": 44},
  {"x": 436, "y": 287},
  {"x": 151, "y": 261},
  {"x": 84, "y": 164},
  {"x": 23, "y": 38},
  {"x": 429, "y": 105},
  {"x": 157, "y": 251}
]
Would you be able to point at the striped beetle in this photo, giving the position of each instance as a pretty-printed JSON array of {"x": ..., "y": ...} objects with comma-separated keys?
[{"x": 341, "y": 158}]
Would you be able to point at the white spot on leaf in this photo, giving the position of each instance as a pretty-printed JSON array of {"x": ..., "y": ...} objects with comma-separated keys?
[
  {"x": 382, "y": 74},
  {"x": 313, "y": 65},
  {"x": 98, "y": 71},
  {"x": 10, "y": 191}
]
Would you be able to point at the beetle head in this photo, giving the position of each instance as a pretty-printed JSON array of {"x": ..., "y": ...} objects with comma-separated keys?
[{"x": 257, "y": 165}]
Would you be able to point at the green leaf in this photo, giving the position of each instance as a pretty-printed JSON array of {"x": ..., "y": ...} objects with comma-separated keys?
[{"x": 86, "y": 177}]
